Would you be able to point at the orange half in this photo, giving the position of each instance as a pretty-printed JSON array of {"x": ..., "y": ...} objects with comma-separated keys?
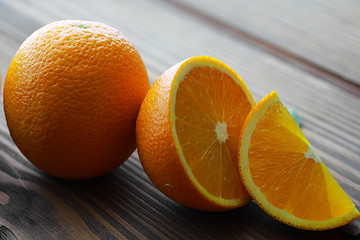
[
  {"x": 188, "y": 133},
  {"x": 285, "y": 176}
]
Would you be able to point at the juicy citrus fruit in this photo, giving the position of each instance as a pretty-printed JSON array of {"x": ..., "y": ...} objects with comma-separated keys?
[
  {"x": 71, "y": 97},
  {"x": 188, "y": 131},
  {"x": 283, "y": 173}
]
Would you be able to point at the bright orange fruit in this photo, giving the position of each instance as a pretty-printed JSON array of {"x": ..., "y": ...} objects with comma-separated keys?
[
  {"x": 71, "y": 97},
  {"x": 188, "y": 132},
  {"x": 285, "y": 176}
]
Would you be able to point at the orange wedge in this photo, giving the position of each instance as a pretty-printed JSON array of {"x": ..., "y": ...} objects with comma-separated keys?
[
  {"x": 285, "y": 176},
  {"x": 188, "y": 132}
]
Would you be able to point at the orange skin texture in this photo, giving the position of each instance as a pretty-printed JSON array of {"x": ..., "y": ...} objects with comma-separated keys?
[
  {"x": 71, "y": 98},
  {"x": 163, "y": 165}
]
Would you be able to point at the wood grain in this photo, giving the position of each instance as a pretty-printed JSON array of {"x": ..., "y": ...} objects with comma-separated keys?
[
  {"x": 124, "y": 204},
  {"x": 323, "y": 33},
  {"x": 312, "y": 66}
]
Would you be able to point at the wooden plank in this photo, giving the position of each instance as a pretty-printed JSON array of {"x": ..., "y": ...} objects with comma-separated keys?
[
  {"x": 323, "y": 33},
  {"x": 128, "y": 206},
  {"x": 125, "y": 203}
]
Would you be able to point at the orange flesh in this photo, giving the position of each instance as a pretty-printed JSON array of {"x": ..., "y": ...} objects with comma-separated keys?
[
  {"x": 210, "y": 110},
  {"x": 293, "y": 182}
]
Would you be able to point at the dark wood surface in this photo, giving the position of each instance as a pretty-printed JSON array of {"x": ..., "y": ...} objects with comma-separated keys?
[{"x": 308, "y": 51}]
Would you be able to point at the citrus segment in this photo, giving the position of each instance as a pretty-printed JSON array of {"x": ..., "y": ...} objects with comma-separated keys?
[
  {"x": 205, "y": 127},
  {"x": 188, "y": 132},
  {"x": 284, "y": 175}
]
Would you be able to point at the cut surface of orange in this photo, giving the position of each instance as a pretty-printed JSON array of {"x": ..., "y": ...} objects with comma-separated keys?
[
  {"x": 283, "y": 173},
  {"x": 188, "y": 132}
]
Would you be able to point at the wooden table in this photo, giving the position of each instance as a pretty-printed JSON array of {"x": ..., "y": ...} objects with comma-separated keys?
[{"x": 308, "y": 51}]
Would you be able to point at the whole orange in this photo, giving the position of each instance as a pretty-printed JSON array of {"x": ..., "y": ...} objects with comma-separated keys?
[{"x": 71, "y": 98}]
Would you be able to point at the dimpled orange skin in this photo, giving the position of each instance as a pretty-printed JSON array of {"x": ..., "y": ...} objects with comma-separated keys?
[
  {"x": 154, "y": 114},
  {"x": 163, "y": 165},
  {"x": 71, "y": 97}
]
